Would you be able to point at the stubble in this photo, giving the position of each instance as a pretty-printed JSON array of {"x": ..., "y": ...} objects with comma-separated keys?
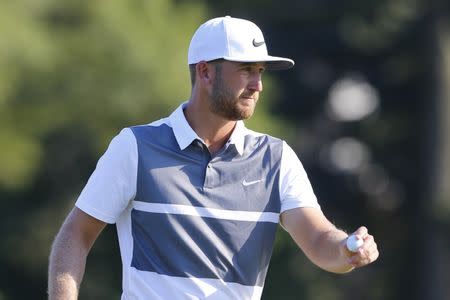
[{"x": 224, "y": 103}]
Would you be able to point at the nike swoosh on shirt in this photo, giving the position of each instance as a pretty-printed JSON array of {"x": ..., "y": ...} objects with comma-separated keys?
[
  {"x": 247, "y": 183},
  {"x": 257, "y": 44}
]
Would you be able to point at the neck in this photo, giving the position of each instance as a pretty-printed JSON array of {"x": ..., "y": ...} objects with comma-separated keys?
[{"x": 213, "y": 129}]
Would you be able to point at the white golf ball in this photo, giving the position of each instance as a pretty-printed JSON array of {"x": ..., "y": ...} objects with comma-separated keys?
[{"x": 354, "y": 243}]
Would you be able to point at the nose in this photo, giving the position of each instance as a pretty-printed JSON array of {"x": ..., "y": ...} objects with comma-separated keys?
[{"x": 255, "y": 83}]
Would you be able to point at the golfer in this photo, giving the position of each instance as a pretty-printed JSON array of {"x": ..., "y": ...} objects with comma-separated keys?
[{"x": 197, "y": 197}]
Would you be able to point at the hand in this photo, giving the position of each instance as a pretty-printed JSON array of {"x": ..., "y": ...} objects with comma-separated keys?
[{"x": 366, "y": 254}]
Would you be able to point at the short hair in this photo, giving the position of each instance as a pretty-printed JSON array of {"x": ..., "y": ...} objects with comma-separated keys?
[{"x": 193, "y": 72}]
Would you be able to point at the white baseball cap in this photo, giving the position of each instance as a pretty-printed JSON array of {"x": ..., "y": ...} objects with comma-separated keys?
[{"x": 233, "y": 39}]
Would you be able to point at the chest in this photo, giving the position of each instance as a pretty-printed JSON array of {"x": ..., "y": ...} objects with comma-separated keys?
[{"x": 230, "y": 181}]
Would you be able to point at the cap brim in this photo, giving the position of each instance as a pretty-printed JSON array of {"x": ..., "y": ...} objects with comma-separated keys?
[{"x": 272, "y": 62}]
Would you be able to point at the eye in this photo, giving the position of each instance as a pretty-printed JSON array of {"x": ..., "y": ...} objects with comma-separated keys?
[
  {"x": 246, "y": 69},
  {"x": 252, "y": 69}
]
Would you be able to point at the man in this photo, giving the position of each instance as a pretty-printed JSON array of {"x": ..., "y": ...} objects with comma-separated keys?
[{"x": 197, "y": 197}]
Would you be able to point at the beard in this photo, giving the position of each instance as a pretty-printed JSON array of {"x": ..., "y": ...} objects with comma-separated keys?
[{"x": 225, "y": 103}]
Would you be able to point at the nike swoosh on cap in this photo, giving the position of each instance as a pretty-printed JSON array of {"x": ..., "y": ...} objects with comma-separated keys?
[{"x": 257, "y": 44}]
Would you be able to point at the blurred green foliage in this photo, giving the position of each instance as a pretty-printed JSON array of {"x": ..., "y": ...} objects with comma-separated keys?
[
  {"x": 97, "y": 64},
  {"x": 73, "y": 73}
]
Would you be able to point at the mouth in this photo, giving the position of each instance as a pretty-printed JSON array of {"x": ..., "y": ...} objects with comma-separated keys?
[
  {"x": 248, "y": 101},
  {"x": 249, "y": 97}
]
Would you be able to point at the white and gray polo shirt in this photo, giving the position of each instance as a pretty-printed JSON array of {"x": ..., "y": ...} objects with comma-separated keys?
[{"x": 192, "y": 226}]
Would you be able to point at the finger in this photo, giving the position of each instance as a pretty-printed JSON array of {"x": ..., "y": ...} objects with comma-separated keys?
[
  {"x": 373, "y": 256},
  {"x": 364, "y": 257},
  {"x": 369, "y": 242},
  {"x": 368, "y": 247},
  {"x": 361, "y": 232},
  {"x": 368, "y": 259},
  {"x": 358, "y": 261},
  {"x": 372, "y": 251},
  {"x": 363, "y": 253},
  {"x": 368, "y": 239}
]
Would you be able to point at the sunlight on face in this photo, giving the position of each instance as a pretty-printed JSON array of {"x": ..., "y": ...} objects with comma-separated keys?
[{"x": 229, "y": 102}]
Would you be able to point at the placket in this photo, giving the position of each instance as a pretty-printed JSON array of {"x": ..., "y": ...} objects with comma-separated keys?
[{"x": 211, "y": 174}]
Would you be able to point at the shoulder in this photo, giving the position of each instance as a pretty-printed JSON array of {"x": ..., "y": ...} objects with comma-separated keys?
[
  {"x": 160, "y": 127},
  {"x": 257, "y": 143},
  {"x": 277, "y": 147},
  {"x": 261, "y": 138},
  {"x": 164, "y": 122}
]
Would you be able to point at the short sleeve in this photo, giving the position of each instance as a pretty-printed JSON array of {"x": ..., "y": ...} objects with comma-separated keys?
[
  {"x": 295, "y": 188},
  {"x": 112, "y": 185}
]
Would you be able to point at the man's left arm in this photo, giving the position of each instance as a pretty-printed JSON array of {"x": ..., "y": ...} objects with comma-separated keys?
[{"x": 324, "y": 244}]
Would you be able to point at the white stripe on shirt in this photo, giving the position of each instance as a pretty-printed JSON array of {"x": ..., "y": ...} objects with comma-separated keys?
[{"x": 234, "y": 215}]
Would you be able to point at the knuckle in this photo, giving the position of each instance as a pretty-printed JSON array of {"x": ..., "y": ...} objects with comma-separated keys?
[
  {"x": 376, "y": 254},
  {"x": 369, "y": 239}
]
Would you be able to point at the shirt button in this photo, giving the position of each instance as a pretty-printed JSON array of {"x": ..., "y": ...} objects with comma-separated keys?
[{"x": 209, "y": 165}]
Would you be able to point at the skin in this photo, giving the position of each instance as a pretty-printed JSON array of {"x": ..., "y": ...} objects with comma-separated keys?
[
  {"x": 320, "y": 240},
  {"x": 69, "y": 252},
  {"x": 220, "y": 96}
]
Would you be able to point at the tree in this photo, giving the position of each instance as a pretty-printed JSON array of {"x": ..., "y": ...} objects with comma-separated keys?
[{"x": 72, "y": 74}]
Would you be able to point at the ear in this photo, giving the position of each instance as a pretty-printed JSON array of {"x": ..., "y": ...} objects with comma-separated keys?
[{"x": 204, "y": 72}]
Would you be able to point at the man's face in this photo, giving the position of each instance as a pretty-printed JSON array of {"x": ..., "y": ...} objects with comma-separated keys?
[{"x": 236, "y": 89}]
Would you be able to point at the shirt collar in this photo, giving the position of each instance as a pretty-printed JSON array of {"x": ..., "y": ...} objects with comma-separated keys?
[
  {"x": 185, "y": 135},
  {"x": 238, "y": 136}
]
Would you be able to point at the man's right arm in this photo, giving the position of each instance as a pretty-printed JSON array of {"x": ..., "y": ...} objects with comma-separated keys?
[{"x": 68, "y": 255}]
